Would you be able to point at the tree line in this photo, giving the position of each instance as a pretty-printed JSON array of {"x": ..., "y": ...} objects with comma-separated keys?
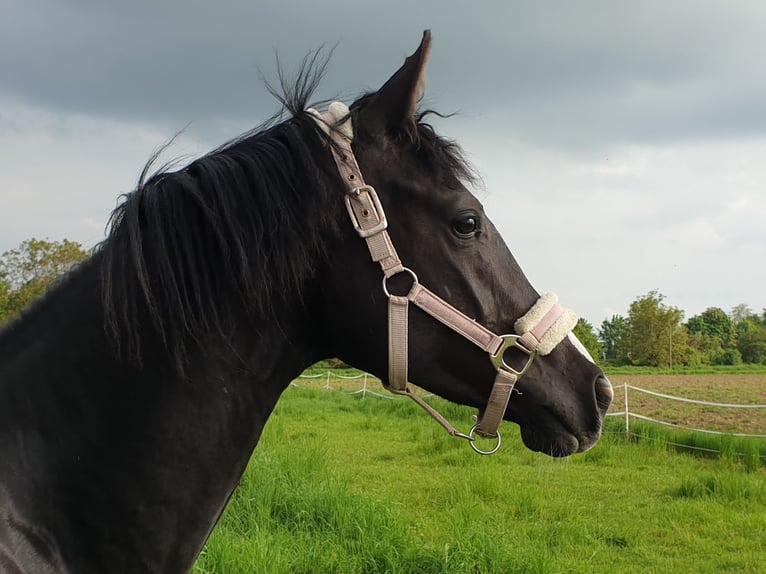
[
  {"x": 651, "y": 334},
  {"x": 655, "y": 334}
]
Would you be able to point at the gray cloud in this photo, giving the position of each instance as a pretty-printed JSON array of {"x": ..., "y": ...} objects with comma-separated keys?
[
  {"x": 565, "y": 74},
  {"x": 621, "y": 142}
]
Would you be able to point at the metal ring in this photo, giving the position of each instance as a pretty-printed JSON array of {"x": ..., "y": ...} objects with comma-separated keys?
[
  {"x": 476, "y": 449},
  {"x": 403, "y": 270}
]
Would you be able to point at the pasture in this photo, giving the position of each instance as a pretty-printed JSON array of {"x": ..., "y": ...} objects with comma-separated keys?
[{"x": 346, "y": 484}]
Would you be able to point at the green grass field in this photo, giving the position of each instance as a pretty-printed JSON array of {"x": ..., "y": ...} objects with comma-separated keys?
[{"x": 342, "y": 484}]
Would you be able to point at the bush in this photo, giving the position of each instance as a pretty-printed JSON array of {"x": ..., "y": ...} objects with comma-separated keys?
[
  {"x": 696, "y": 358},
  {"x": 333, "y": 363},
  {"x": 728, "y": 357},
  {"x": 755, "y": 352}
]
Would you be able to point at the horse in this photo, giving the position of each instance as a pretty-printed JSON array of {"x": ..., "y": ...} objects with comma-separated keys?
[{"x": 134, "y": 392}]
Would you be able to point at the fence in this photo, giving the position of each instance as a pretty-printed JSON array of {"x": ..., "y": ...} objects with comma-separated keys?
[
  {"x": 333, "y": 381},
  {"x": 627, "y": 414}
]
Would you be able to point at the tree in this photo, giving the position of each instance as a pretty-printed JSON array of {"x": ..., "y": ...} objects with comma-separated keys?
[
  {"x": 39, "y": 260},
  {"x": 714, "y": 335},
  {"x": 611, "y": 333},
  {"x": 751, "y": 340},
  {"x": 5, "y": 293},
  {"x": 26, "y": 272},
  {"x": 583, "y": 330},
  {"x": 655, "y": 335},
  {"x": 714, "y": 323},
  {"x": 740, "y": 312}
]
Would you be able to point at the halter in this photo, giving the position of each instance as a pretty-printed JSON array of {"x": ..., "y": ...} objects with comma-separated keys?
[{"x": 537, "y": 333}]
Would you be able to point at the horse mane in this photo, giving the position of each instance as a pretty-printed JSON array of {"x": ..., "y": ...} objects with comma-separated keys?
[{"x": 183, "y": 246}]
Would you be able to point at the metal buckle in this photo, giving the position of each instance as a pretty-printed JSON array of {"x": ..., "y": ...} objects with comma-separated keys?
[
  {"x": 378, "y": 227},
  {"x": 511, "y": 341}
]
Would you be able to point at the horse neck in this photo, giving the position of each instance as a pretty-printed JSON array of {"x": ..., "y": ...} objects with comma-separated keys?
[{"x": 136, "y": 462}]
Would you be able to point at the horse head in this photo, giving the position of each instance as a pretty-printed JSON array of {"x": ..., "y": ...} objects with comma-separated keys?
[{"x": 435, "y": 234}]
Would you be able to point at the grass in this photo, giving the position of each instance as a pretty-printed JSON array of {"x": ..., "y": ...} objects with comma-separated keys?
[{"x": 345, "y": 484}]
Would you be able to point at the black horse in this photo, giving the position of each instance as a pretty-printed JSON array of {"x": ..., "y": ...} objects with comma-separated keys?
[{"x": 133, "y": 393}]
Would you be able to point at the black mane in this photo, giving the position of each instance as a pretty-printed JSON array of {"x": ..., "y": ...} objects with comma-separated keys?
[{"x": 182, "y": 247}]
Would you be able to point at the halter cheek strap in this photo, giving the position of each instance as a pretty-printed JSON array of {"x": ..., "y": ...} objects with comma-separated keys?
[{"x": 544, "y": 326}]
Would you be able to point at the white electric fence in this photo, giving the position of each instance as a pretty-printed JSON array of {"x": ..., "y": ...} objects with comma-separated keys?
[
  {"x": 333, "y": 381},
  {"x": 627, "y": 414}
]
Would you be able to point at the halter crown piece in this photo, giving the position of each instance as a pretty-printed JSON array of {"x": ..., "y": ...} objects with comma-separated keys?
[{"x": 538, "y": 331}]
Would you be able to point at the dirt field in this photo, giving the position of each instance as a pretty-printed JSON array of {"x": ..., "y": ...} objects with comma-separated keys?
[{"x": 719, "y": 388}]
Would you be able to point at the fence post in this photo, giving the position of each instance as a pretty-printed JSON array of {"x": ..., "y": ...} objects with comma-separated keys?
[
  {"x": 364, "y": 388},
  {"x": 327, "y": 386},
  {"x": 627, "y": 412}
]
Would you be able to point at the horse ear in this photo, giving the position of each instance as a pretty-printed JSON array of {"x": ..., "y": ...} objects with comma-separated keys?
[{"x": 392, "y": 107}]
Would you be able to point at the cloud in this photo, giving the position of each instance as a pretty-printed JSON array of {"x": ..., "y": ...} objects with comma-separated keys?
[
  {"x": 62, "y": 173},
  {"x": 583, "y": 74},
  {"x": 91, "y": 224},
  {"x": 621, "y": 143},
  {"x": 603, "y": 229}
]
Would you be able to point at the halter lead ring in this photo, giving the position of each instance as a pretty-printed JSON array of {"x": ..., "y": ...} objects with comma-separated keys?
[
  {"x": 476, "y": 449},
  {"x": 541, "y": 329}
]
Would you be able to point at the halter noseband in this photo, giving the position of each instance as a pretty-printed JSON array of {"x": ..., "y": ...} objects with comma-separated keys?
[{"x": 537, "y": 333}]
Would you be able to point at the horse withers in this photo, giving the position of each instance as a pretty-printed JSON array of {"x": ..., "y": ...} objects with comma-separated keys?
[{"x": 133, "y": 393}]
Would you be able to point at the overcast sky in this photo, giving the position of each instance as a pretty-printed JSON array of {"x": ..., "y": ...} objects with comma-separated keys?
[{"x": 622, "y": 144}]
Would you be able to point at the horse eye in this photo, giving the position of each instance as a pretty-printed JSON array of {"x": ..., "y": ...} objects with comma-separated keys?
[{"x": 466, "y": 226}]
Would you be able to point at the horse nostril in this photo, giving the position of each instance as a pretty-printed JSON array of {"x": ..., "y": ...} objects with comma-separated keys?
[{"x": 604, "y": 392}]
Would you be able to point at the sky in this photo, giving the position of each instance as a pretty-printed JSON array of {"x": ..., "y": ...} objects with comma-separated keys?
[{"x": 622, "y": 145}]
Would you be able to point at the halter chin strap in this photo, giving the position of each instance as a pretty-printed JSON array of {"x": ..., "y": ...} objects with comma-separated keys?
[{"x": 537, "y": 333}]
